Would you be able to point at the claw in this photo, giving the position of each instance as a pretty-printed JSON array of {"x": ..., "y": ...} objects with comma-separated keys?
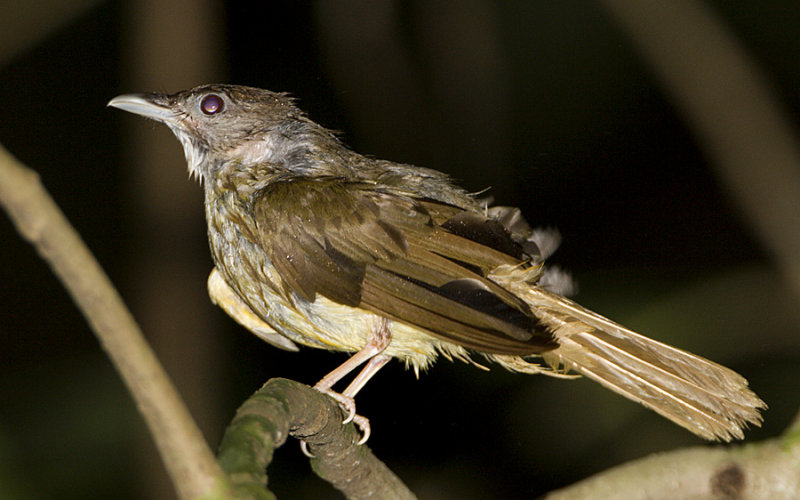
[
  {"x": 348, "y": 404},
  {"x": 366, "y": 430},
  {"x": 361, "y": 422},
  {"x": 304, "y": 449},
  {"x": 351, "y": 415}
]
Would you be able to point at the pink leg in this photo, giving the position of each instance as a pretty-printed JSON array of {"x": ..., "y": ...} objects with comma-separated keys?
[
  {"x": 379, "y": 338},
  {"x": 371, "y": 368}
]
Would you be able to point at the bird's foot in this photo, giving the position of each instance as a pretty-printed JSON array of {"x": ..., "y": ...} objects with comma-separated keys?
[
  {"x": 372, "y": 354},
  {"x": 348, "y": 404}
]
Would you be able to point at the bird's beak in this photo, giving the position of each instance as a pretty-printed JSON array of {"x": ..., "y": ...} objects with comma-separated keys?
[{"x": 154, "y": 106}]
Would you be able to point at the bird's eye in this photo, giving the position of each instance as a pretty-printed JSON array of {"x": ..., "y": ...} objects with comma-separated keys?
[{"x": 212, "y": 104}]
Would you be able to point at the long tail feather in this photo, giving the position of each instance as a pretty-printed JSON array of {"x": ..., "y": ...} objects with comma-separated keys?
[{"x": 708, "y": 399}]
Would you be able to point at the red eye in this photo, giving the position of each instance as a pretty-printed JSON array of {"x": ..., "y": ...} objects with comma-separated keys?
[{"x": 212, "y": 104}]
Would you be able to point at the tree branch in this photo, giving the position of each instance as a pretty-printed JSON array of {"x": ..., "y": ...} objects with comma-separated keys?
[
  {"x": 770, "y": 469},
  {"x": 190, "y": 463},
  {"x": 284, "y": 407}
]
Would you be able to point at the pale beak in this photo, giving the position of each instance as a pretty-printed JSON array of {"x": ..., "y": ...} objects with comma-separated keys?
[{"x": 153, "y": 106}]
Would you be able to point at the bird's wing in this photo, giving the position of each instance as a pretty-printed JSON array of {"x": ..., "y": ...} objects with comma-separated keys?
[{"x": 417, "y": 261}]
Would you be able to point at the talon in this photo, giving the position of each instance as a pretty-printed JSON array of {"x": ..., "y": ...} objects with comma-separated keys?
[
  {"x": 348, "y": 404},
  {"x": 304, "y": 449},
  {"x": 366, "y": 429}
]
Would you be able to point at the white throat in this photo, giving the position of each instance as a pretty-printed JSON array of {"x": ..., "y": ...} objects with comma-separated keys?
[{"x": 194, "y": 152}]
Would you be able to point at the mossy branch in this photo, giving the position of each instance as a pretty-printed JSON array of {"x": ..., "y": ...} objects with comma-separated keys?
[{"x": 284, "y": 407}]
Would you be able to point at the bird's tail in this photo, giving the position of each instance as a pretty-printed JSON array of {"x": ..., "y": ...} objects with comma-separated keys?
[{"x": 708, "y": 399}]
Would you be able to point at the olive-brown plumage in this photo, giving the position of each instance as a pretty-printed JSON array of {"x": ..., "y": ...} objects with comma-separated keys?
[{"x": 318, "y": 245}]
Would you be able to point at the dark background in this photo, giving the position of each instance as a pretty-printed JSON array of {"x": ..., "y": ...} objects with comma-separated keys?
[{"x": 545, "y": 102}]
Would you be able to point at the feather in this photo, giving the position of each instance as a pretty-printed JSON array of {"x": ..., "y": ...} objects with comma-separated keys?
[{"x": 708, "y": 399}]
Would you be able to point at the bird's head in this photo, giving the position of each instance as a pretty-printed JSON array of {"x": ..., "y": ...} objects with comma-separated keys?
[{"x": 216, "y": 122}]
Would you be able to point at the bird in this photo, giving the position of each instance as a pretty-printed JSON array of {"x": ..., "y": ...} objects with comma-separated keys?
[{"x": 317, "y": 245}]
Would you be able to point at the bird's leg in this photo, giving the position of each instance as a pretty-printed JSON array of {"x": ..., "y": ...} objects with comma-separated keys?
[
  {"x": 371, "y": 368},
  {"x": 377, "y": 341}
]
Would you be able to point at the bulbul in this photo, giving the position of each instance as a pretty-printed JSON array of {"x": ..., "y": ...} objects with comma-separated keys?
[{"x": 315, "y": 244}]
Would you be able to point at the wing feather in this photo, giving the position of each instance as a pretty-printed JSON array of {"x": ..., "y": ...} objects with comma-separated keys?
[{"x": 386, "y": 252}]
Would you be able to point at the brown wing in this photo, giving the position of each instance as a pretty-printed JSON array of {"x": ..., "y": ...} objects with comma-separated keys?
[{"x": 416, "y": 261}]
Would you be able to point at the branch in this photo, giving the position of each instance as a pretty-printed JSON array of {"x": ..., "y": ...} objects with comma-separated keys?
[
  {"x": 282, "y": 408},
  {"x": 770, "y": 469},
  {"x": 38, "y": 219}
]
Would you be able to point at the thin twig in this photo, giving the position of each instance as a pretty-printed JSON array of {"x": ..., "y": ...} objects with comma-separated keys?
[{"x": 190, "y": 463}]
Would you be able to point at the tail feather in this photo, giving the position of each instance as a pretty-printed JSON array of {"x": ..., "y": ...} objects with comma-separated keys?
[
  {"x": 708, "y": 399},
  {"x": 706, "y": 413}
]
